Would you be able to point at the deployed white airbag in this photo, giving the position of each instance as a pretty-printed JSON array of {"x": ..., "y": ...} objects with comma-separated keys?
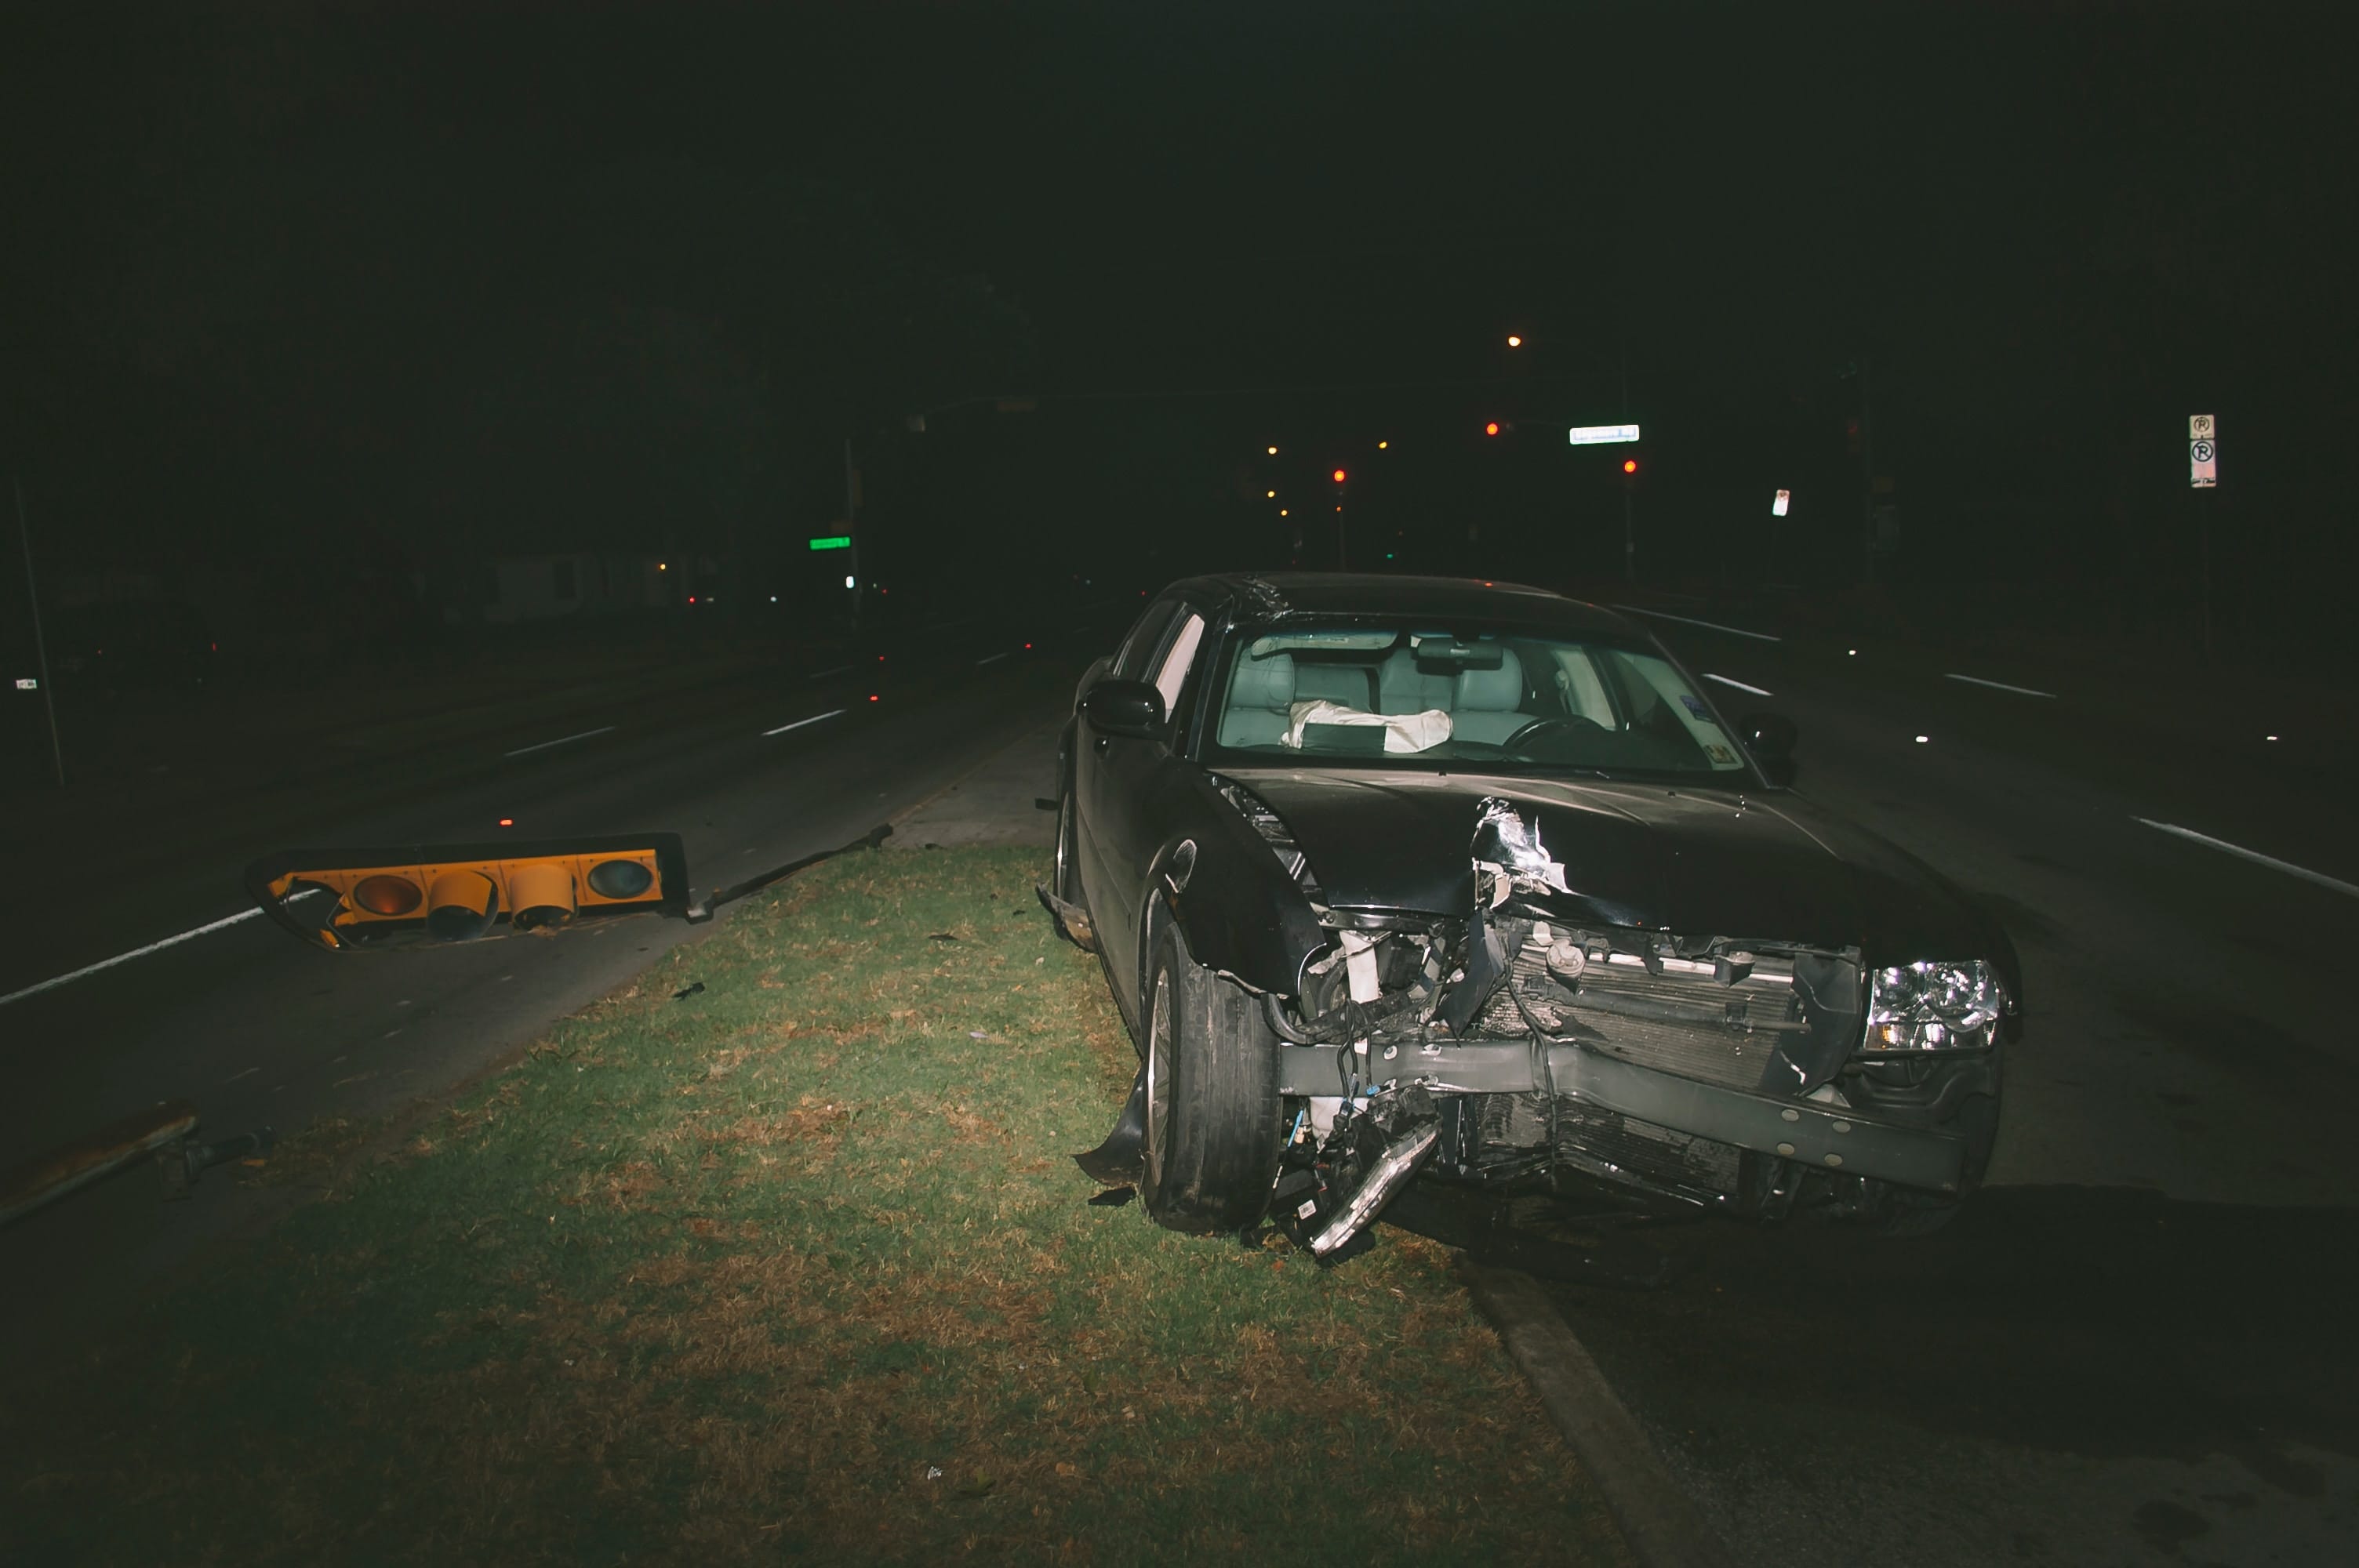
[{"x": 1403, "y": 731}]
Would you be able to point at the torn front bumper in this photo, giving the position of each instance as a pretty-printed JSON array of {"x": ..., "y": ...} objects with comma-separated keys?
[{"x": 1831, "y": 1138}]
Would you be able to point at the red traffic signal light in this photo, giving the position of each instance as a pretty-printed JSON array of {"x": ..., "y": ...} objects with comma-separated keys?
[
  {"x": 1492, "y": 429},
  {"x": 1339, "y": 476},
  {"x": 1629, "y": 465}
]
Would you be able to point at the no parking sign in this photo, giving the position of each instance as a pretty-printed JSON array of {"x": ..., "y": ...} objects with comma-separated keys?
[{"x": 2203, "y": 452}]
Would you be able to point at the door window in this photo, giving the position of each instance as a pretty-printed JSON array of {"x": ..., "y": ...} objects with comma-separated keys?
[
  {"x": 1146, "y": 637},
  {"x": 1173, "y": 674}
]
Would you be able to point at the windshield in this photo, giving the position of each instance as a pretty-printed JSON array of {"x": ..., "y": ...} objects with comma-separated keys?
[{"x": 1356, "y": 693}]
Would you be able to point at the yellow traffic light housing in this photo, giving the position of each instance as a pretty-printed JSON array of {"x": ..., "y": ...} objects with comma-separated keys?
[{"x": 341, "y": 899}]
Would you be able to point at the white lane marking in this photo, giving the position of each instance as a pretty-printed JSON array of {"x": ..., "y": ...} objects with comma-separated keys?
[
  {"x": 1714, "y": 625},
  {"x": 1738, "y": 684},
  {"x": 839, "y": 670},
  {"x": 993, "y": 660},
  {"x": 2304, "y": 872},
  {"x": 563, "y": 740},
  {"x": 831, "y": 713},
  {"x": 234, "y": 1077},
  {"x": 2001, "y": 685},
  {"x": 193, "y": 931}
]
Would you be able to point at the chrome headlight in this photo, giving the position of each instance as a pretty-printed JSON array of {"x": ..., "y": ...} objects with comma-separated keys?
[{"x": 1933, "y": 1006}]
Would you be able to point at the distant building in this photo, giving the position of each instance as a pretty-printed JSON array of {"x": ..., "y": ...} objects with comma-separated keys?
[{"x": 544, "y": 587}]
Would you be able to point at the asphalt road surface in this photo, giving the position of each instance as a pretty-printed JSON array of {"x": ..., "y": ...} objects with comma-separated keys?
[
  {"x": 2135, "y": 1345},
  {"x": 258, "y": 1030}
]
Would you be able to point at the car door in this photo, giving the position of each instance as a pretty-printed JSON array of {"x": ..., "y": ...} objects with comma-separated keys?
[{"x": 1125, "y": 771}]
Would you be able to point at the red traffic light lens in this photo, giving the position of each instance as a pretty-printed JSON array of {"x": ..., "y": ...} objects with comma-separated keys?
[
  {"x": 1629, "y": 465},
  {"x": 388, "y": 895},
  {"x": 1339, "y": 476},
  {"x": 1492, "y": 429}
]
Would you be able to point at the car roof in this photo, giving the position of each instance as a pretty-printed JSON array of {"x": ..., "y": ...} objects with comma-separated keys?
[{"x": 1371, "y": 593}]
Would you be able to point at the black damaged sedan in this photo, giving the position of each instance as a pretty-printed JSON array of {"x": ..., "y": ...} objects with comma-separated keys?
[{"x": 1398, "y": 876}]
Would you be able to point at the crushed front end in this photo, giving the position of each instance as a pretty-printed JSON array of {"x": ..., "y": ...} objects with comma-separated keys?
[{"x": 1731, "y": 1072}]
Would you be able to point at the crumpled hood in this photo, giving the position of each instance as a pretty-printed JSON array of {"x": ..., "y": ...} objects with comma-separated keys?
[{"x": 1714, "y": 862}]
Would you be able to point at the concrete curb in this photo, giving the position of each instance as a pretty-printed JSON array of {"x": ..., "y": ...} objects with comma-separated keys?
[{"x": 1658, "y": 1520}]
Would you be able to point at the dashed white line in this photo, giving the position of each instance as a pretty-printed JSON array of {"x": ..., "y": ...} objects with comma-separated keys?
[
  {"x": 993, "y": 660},
  {"x": 562, "y": 740},
  {"x": 2304, "y": 872},
  {"x": 210, "y": 926},
  {"x": 831, "y": 713},
  {"x": 2001, "y": 685},
  {"x": 822, "y": 674},
  {"x": 1690, "y": 621},
  {"x": 1738, "y": 684}
]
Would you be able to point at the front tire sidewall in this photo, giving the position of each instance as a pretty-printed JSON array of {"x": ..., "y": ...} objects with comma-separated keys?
[{"x": 1213, "y": 1111}]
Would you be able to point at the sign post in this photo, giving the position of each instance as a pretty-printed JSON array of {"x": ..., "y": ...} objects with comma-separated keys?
[
  {"x": 2203, "y": 474},
  {"x": 40, "y": 643}
]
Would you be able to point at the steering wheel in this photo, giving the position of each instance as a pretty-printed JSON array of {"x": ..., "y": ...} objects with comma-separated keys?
[{"x": 1538, "y": 725}]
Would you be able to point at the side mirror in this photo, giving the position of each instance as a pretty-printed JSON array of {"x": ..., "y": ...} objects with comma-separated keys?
[
  {"x": 1770, "y": 738},
  {"x": 1132, "y": 708}
]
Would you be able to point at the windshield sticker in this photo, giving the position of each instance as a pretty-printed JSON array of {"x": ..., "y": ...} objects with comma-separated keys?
[
  {"x": 1694, "y": 705},
  {"x": 1720, "y": 754}
]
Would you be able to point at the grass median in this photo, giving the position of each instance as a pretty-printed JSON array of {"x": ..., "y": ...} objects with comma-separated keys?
[{"x": 795, "y": 1265}]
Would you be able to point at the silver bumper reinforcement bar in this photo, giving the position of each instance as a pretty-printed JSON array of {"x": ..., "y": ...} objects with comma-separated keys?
[{"x": 1830, "y": 1137}]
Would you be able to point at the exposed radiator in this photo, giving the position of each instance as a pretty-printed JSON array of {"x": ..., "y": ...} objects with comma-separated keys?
[{"x": 1716, "y": 1034}]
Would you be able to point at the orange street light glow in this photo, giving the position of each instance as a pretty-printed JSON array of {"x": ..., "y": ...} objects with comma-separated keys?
[{"x": 1513, "y": 341}]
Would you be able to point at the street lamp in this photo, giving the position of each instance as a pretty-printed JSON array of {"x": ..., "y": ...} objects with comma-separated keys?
[
  {"x": 1273, "y": 452},
  {"x": 1513, "y": 341}
]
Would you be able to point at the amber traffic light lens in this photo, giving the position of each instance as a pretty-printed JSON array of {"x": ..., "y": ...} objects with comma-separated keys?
[
  {"x": 462, "y": 905},
  {"x": 620, "y": 878},
  {"x": 387, "y": 896},
  {"x": 539, "y": 894}
]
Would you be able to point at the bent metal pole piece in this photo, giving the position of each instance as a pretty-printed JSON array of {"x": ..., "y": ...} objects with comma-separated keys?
[
  {"x": 49, "y": 1176},
  {"x": 1394, "y": 1167}
]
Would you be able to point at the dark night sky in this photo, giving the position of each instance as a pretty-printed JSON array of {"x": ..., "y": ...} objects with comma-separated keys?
[{"x": 340, "y": 282}]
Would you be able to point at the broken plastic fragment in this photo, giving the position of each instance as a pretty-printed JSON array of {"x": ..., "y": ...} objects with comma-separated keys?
[
  {"x": 1360, "y": 965},
  {"x": 1504, "y": 840}
]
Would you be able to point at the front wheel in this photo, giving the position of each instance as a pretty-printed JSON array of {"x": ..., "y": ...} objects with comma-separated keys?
[{"x": 1213, "y": 1112}]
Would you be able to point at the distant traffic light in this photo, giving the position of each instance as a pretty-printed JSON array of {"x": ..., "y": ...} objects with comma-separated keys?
[
  {"x": 1629, "y": 465},
  {"x": 1492, "y": 429},
  {"x": 1339, "y": 476}
]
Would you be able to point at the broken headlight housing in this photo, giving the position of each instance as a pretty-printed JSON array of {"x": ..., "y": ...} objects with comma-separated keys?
[{"x": 1934, "y": 1006}]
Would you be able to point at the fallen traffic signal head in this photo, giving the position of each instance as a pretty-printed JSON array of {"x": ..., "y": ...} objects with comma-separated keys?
[{"x": 341, "y": 899}]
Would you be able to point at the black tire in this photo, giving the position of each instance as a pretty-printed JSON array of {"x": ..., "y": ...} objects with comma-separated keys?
[{"x": 1213, "y": 1113}]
